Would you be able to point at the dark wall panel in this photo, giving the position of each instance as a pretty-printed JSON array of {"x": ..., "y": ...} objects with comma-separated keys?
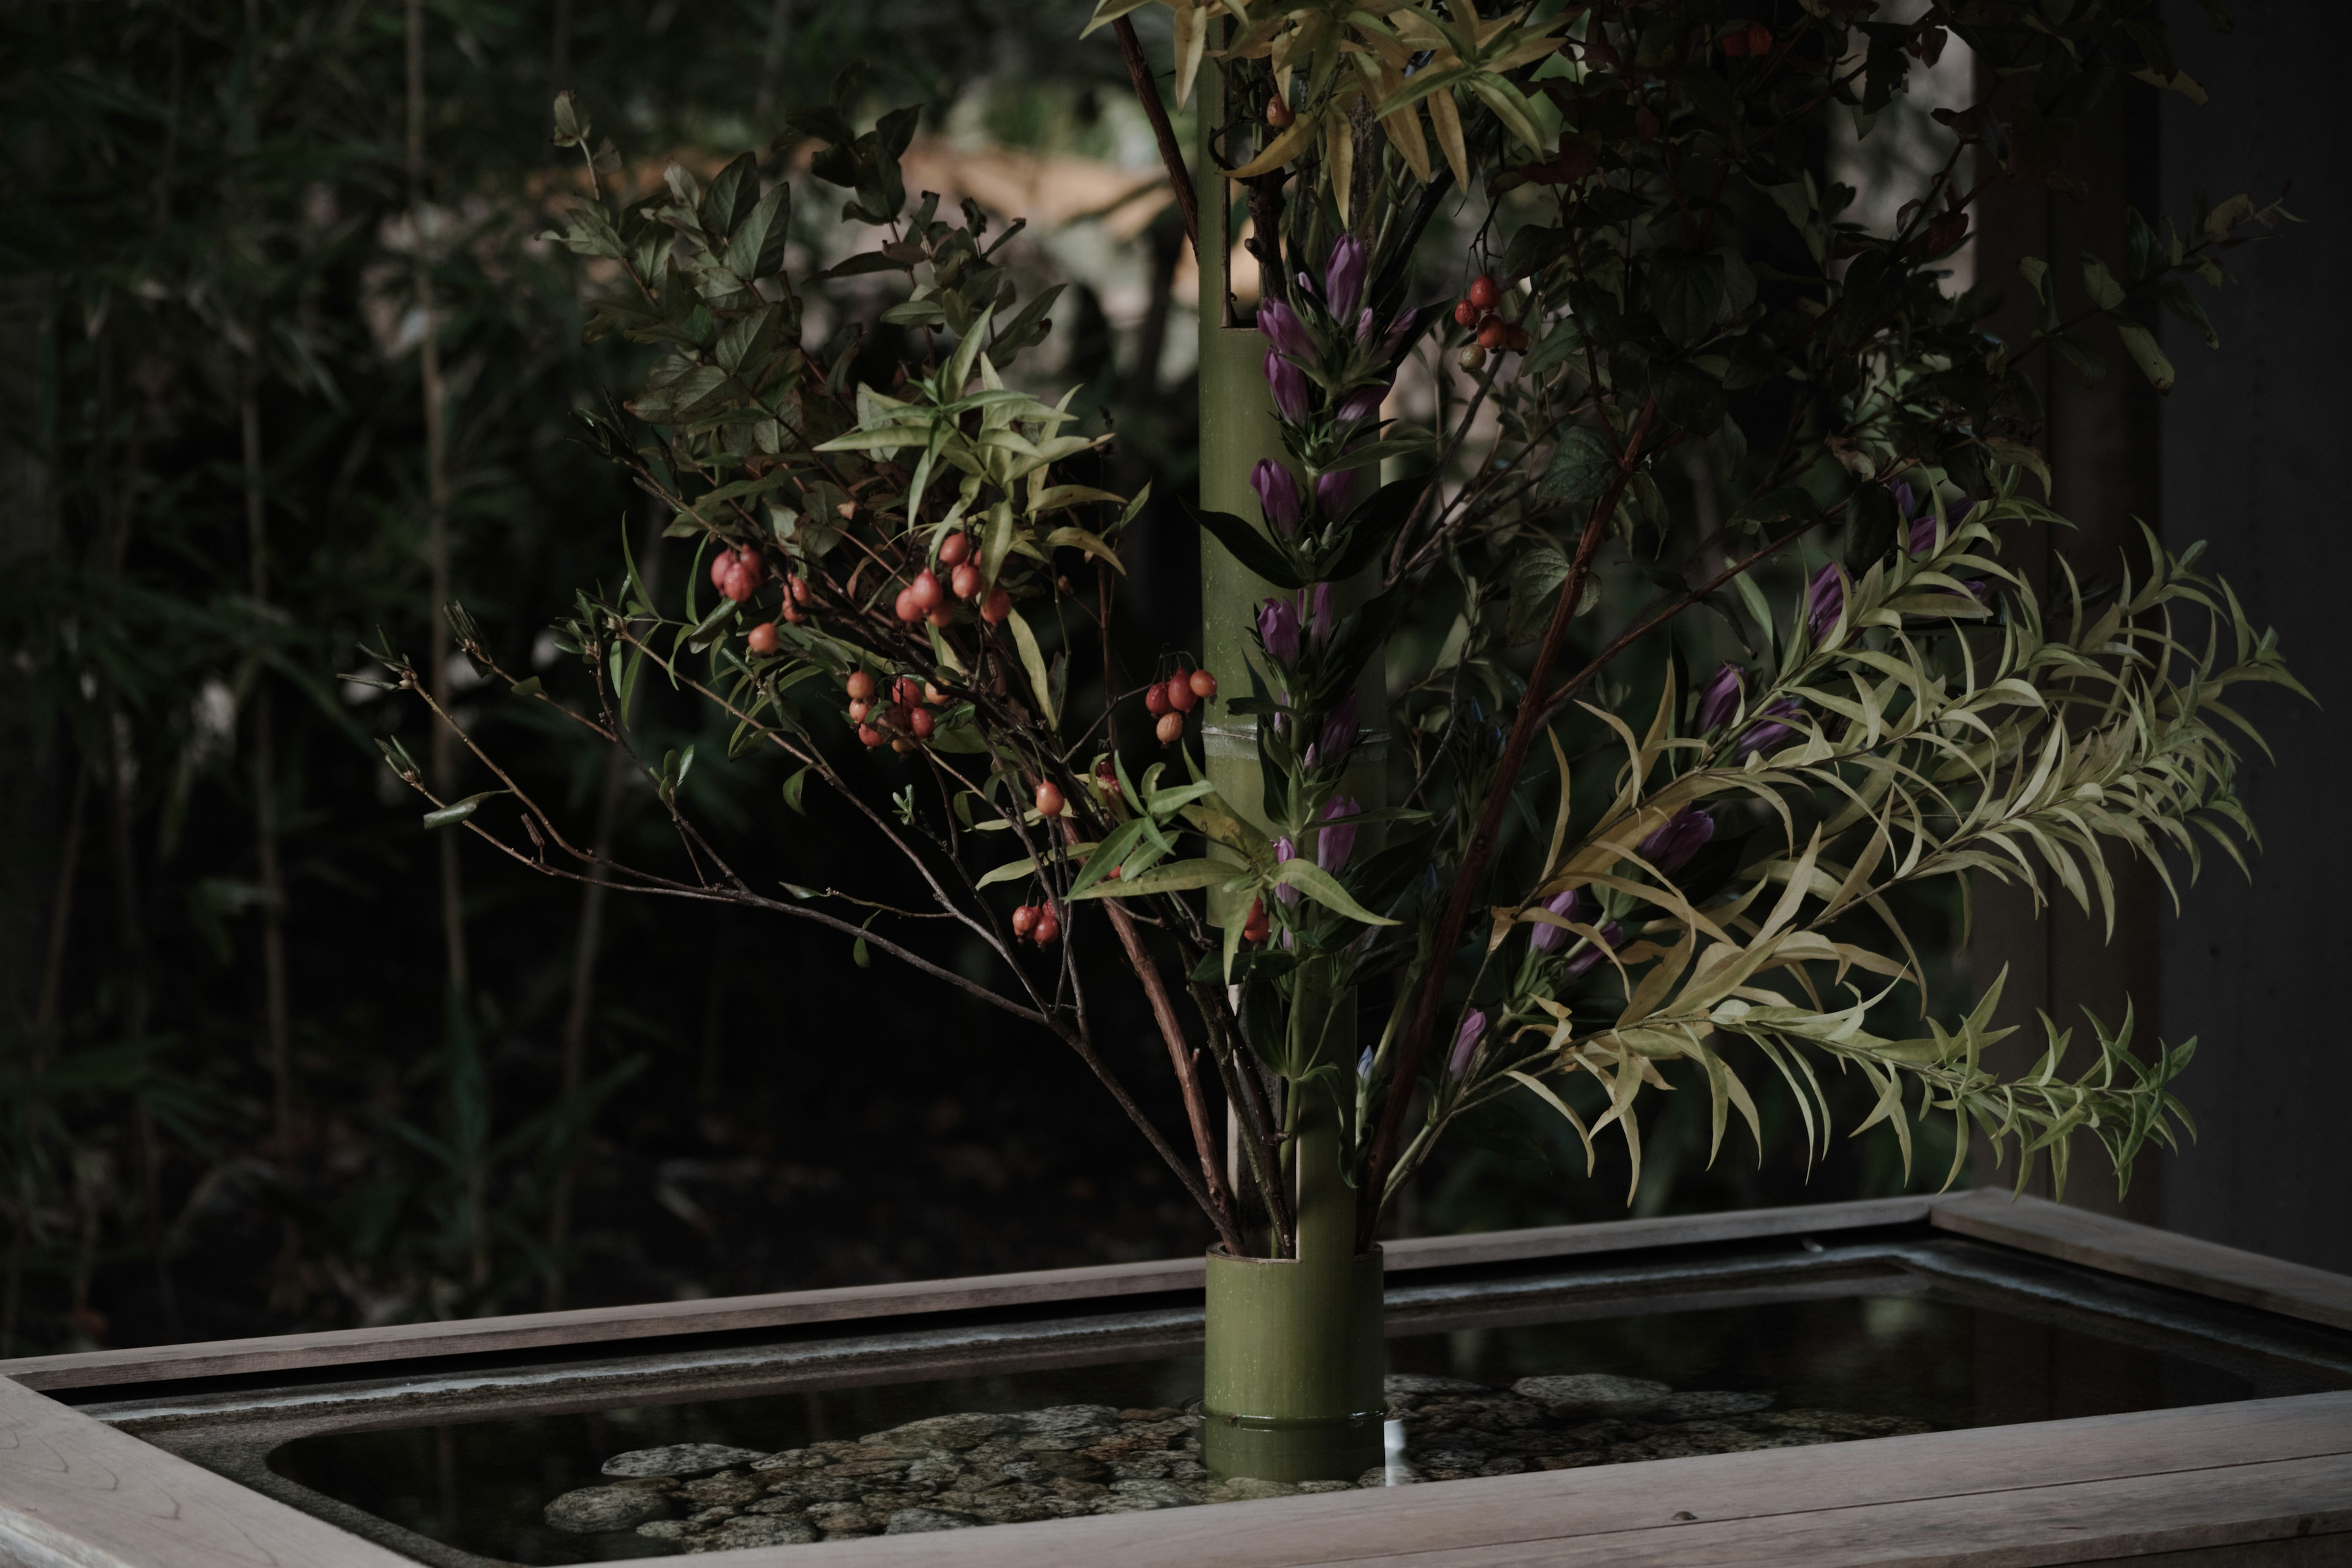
[{"x": 2253, "y": 460}]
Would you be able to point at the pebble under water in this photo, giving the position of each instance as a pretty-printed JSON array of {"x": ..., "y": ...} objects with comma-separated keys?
[{"x": 962, "y": 1470}]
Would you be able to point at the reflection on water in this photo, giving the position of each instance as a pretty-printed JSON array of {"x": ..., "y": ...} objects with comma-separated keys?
[{"x": 1048, "y": 1444}]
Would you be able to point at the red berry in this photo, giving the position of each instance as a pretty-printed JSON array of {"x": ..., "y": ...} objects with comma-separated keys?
[
  {"x": 934, "y": 696},
  {"x": 1048, "y": 927},
  {"x": 1519, "y": 339},
  {"x": 1106, "y": 779},
  {"x": 857, "y": 711},
  {"x": 722, "y": 566},
  {"x": 954, "y": 548},
  {"x": 1254, "y": 927},
  {"x": 1494, "y": 333},
  {"x": 1025, "y": 919},
  {"x": 965, "y": 579},
  {"x": 1466, "y": 314},
  {"x": 1278, "y": 113},
  {"x": 895, "y": 718},
  {"x": 1180, "y": 694},
  {"x": 905, "y": 690},
  {"x": 869, "y": 734},
  {"x": 1049, "y": 799},
  {"x": 919, "y": 724},
  {"x": 925, "y": 590},
  {"x": 1171, "y": 729},
  {"x": 908, "y": 610},
  {"x": 1485, "y": 293},
  {"x": 739, "y": 585},
  {"x": 1204, "y": 684},
  {"x": 940, "y": 617},
  {"x": 1734, "y": 44},
  {"x": 793, "y": 614},
  {"x": 800, "y": 591},
  {"x": 859, "y": 685},
  {"x": 1155, "y": 698},
  {"x": 998, "y": 609},
  {"x": 902, "y": 747},
  {"x": 1760, "y": 39},
  {"x": 762, "y": 637}
]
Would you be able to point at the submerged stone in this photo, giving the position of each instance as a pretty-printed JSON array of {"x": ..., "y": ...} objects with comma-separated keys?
[
  {"x": 680, "y": 1459},
  {"x": 1701, "y": 1404},
  {"x": 919, "y": 1520},
  {"x": 593, "y": 1511},
  {"x": 1417, "y": 1383},
  {"x": 754, "y": 1530},
  {"x": 1594, "y": 1393},
  {"x": 1066, "y": 1426}
]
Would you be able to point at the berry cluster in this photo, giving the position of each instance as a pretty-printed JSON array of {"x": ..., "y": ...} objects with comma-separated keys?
[
  {"x": 1492, "y": 333},
  {"x": 1168, "y": 700},
  {"x": 738, "y": 574},
  {"x": 1756, "y": 38},
  {"x": 1037, "y": 924},
  {"x": 924, "y": 600},
  {"x": 905, "y": 721}
]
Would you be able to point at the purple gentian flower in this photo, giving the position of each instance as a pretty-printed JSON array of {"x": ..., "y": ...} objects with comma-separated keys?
[
  {"x": 1824, "y": 600},
  {"x": 1612, "y": 934},
  {"x": 1903, "y": 497},
  {"x": 1547, "y": 939},
  {"x": 1770, "y": 732},
  {"x": 1466, "y": 1042},
  {"x": 1322, "y": 612},
  {"x": 1278, "y": 630},
  {"x": 1362, "y": 403},
  {"x": 1365, "y": 324},
  {"x": 1334, "y": 492},
  {"x": 1284, "y": 330},
  {"x": 1669, "y": 849},
  {"x": 1285, "y": 851},
  {"x": 1399, "y": 330},
  {"x": 1923, "y": 528},
  {"x": 1335, "y": 847},
  {"x": 1278, "y": 495},
  {"x": 1289, "y": 383},
  {"x": 1338, "y": 735},
  {"x": 1343, "y": 275},
  {"x": 1719, "y": 700}
]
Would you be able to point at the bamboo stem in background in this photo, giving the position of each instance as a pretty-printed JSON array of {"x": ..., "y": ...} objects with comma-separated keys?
[
  {"x": 442, "y": 757},
  {"x": 274, "y": 1012}
]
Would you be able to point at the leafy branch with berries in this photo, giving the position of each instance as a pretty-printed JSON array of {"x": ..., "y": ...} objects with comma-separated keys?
[{"x": 1622, "y": 616}]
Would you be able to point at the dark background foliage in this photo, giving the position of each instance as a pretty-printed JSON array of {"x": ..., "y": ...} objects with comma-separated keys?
[{"x": 208, "y": 250}]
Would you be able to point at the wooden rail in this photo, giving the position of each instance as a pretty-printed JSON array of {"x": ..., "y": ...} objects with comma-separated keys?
[{"x": 2265, "y": 1482}]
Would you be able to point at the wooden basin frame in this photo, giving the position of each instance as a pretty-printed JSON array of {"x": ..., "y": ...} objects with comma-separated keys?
[{"x": 2265, "y": 1482}]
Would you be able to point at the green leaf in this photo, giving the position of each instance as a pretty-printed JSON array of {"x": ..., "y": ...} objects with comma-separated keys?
[
  {"x": 1109, "y": 855},
  {"x": 2140, "y": 343},
  {"x": 1010, "y": 871},
  {"x": 1324, "y": 888},
  {"x": 795, "y": 787},
  {"x": 1033, "y": 661},
  {"x": 1253, "y": 550},
  {"x": 528, "y": 685},
  {"x": 458, "y": 810},
  {"x": 1581, "y": 468},
  {"x": 1176, "y": 876}
]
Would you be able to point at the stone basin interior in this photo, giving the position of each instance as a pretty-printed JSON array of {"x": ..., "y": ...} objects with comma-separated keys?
[{"x": 1916, "y": 1338}]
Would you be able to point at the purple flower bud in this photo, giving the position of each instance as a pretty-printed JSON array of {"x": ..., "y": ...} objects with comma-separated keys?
[
  {"x": 1923, "y": 533},
  {"x": 1362, "y": 403},
  {"x": 1289, "y": 383},
  {"x": 1719, "y": 700},
  {"x": 1278, "y": 495},
  {"x": 1284, "y": 330},
  {"x": 1669, "y": 849},
  {"x": 1399, "y": 330},
  {"x": 1365, "y": 323},
  {"x": 1333, "y": 492},
  {"x": 1338, "y": 735},
  {"x": 1824, "y": 600},
  {"x": 1466, "y": 1042},
  {"x": 1278, "y": 630},
  {"x": 1547, "y": 939},
  {"x": 1905, "y": 500},
  {"x": 1335, "y": 847},
  {"x": 1770, "y": 734},
  {"x": 1612, "y": 933},
  {"x": 1343, "y": 275},
  {"x": 1322, "y": 613},
  {"x": 1284, "y": 851}
]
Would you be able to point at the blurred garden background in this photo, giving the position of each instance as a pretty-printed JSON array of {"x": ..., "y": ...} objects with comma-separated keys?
[{"x": 285, "y": 362}]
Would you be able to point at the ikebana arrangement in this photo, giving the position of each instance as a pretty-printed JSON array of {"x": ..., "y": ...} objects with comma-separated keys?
[{"x": 1369, "y": 884}]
